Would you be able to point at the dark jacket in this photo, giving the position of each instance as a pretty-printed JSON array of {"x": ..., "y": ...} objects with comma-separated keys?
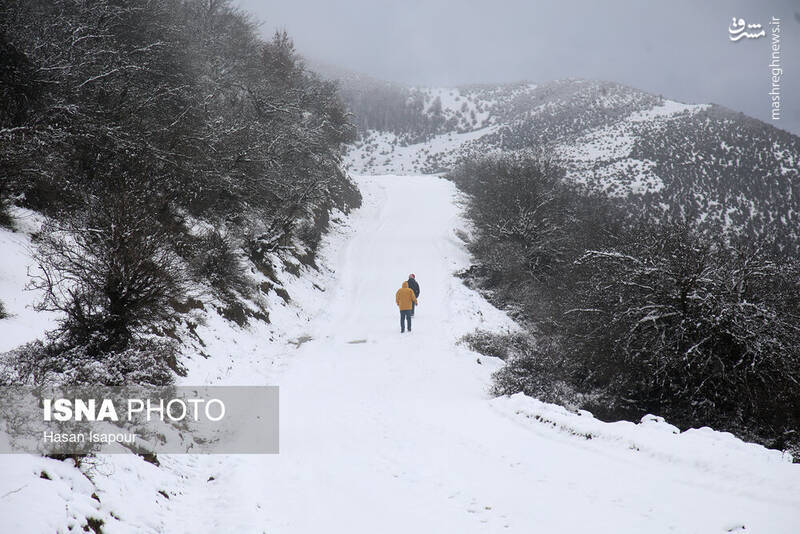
[{"x": 412, "y": 283}]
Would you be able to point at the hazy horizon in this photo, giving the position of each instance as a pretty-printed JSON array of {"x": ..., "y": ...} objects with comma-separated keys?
[{"x": 682, "y": 50}]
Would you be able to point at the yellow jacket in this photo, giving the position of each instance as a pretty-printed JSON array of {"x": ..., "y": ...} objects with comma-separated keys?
[{"x": 404, "y": 297}]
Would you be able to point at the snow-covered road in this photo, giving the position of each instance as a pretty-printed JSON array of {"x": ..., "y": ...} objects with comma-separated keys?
[
  {"x": 383, "y": 432},
  {"x": 390, "y": 433}
]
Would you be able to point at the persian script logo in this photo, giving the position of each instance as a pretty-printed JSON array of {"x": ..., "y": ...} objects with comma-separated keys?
[{"x": 738, "y": 27}]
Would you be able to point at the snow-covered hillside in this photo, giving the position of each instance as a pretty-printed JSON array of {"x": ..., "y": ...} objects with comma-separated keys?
[
  {"x": 602, "y": 157},
  {"x": 389, "y": 432},
  {"x": 701, "y": 161},
  {"x": 23, "y": 323}
]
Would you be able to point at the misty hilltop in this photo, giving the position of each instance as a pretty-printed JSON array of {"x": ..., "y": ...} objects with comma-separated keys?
[{"x": 699, "y": 161}]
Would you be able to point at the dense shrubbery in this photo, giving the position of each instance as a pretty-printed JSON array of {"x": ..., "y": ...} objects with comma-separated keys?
[
  {"x": 5, "y": 218},
  {"x": 628, "y": 316},
  {"x": 131, "y": 125},
  {"x": 529, "y": 227},
  {"x": 704, "y": 330},
  {"x": 385, "y": 106},
  {"x": 144, "y": 362},
  {"x": 534, "y": 366},
  {"x": 109, "y": 270}
]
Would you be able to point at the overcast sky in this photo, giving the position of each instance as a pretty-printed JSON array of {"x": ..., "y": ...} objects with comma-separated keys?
[{"x": 680, "y": 49}]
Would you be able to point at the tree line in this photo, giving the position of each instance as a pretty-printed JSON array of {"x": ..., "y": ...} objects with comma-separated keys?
[
  {"x": 167, "y": 144},
  {"x": 625, "y": 314}
]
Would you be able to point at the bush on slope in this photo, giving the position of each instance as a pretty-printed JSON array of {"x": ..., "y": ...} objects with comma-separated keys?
[
  {"x": 631, "y": 317},
  {"x": 142, "y": 128}
]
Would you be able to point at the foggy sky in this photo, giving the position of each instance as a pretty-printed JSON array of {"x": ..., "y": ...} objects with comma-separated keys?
[{"x": 679, "y": 49}]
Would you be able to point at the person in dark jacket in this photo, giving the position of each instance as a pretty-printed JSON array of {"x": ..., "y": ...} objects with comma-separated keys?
[{"x": 414, "y": 286}]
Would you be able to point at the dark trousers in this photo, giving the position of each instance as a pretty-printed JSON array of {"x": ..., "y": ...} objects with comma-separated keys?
[
  {"x": 413, "y": 308},
  {"x": 405, "y": 315}
]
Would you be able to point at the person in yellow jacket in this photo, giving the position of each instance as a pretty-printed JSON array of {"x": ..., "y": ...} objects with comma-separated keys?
[{"x": 405, "y": 300}]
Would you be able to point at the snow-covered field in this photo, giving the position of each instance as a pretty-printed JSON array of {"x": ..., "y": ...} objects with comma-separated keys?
[
  {"x": 382, "y": 152},
  {"x": 383, "y": 432}
]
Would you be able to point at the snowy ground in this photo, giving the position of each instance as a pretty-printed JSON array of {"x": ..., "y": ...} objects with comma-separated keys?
[
  {"x": 23, "y": 324},
  {"x": 382, "y": 152},
  {"x": 383, "y": 432}
]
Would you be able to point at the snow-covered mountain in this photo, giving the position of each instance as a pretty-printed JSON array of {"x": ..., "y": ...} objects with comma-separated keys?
[{"x": 703, "y": 161}]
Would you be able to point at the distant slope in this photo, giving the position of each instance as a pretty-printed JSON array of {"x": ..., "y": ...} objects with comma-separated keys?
[{"x": 703, "y": 161}]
